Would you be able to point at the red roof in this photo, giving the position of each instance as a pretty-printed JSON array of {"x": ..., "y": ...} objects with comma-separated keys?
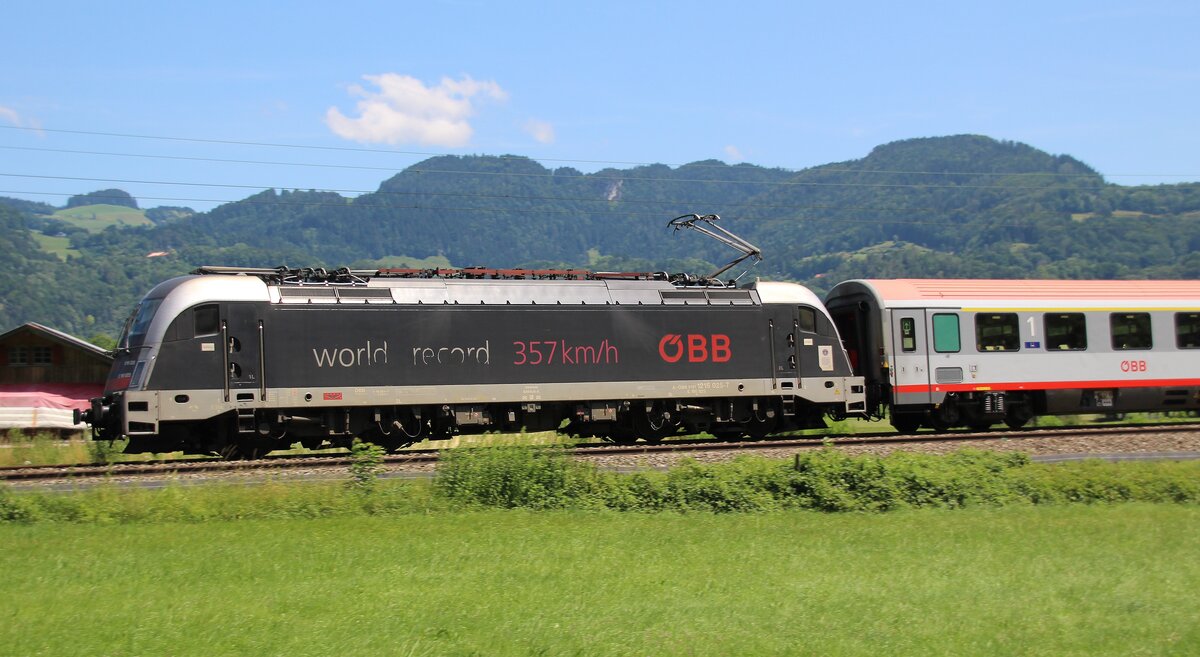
[{"x": 1034, "y": 290}]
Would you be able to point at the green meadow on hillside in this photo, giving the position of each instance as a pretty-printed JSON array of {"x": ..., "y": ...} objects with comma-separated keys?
[
  {"x": 59, "y": 246},
  {"x": 96, "y": 218}
]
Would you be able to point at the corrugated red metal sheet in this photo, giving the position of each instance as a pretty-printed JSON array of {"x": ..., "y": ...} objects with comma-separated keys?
[{"x": 49, "y": 395}]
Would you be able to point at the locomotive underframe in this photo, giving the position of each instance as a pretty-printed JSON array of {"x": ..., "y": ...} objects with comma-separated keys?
[{"x": 201, "y": 421}]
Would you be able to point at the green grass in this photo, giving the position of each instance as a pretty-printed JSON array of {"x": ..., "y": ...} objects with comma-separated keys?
[
  {"x": 1103, "y": 580},
  {"x": 96, "y": 218},
  {"x": 58, "y": 246},
  {"x": 19, "y": 449}
]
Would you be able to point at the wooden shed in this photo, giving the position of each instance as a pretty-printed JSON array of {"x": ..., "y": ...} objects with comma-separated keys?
[{"x": 45, "y": 374}]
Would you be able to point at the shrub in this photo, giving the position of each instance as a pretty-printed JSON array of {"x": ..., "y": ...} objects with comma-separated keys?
[
  {"x": 511, "y": 477},
  {"x": 547, "y": 478},
  {"x": 366, "y": 464}
]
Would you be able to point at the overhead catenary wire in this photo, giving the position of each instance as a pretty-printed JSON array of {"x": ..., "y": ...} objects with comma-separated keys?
[{"x": 386, "y": 151}]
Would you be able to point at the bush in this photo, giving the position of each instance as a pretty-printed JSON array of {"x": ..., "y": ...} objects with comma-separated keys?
[
  {"x": 366, "y": 464},
  {"x": 513, "y": 477},
  {"x": 548, "y": 478}
]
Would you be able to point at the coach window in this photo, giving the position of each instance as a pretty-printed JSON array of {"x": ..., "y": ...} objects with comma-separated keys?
[
  {"x": 1187, "y": 330},
  {"x": 1131, "y": 331},
  {"x": 1065, "y": 331},
  {"x": 946, "y": 336},
  {"x": 997, "y": 332},
  {"x": 908, "y": 334}
]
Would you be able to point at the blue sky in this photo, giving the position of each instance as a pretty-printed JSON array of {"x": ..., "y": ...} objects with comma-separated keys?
[{"x": 355, "y": 91}]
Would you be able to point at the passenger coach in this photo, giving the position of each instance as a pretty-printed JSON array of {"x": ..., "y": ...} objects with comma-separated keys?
[{"x": 944, "y": 353}]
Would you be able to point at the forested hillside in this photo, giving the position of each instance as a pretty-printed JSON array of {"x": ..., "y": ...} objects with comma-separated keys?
[{"x": 963, "y": 206}]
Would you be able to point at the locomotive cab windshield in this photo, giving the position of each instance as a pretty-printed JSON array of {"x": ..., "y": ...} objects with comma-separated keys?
[{"x": 138, "y": 324}]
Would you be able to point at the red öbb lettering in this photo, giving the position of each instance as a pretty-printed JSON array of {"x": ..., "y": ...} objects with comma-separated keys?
[
  {"x": 695, "y": 348},
  {"x": 1133, "y": 366}
]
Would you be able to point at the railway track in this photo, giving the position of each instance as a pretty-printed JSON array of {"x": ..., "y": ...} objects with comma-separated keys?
[{"x": 601, "y": 453}]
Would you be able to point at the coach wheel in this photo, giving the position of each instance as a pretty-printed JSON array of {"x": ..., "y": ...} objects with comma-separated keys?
[
  {"x": 1017, "y": 417},
  {"x": 906, "y": 422},
  {"x": 945, "y": 416}
]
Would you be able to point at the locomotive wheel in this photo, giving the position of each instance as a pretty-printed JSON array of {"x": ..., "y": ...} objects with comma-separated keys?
[
  {"x": 655, "y": 424},
  {"x": 245, "y": 450},
  {"x": 760, "y": 429}
]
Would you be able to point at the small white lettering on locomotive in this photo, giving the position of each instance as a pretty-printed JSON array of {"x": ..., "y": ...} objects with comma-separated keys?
[
  {"x": 352, "y": 356},
  {"x": 453, "y": 355}
]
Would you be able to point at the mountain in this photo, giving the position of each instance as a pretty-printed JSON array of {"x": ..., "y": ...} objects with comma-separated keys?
[{"x": 959, "y": 206}]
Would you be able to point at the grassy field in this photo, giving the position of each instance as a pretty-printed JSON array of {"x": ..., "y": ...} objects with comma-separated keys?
[
  {"x": 17, "y": 449},
  {"x": 96, "y": 218},
  {"x": 59, "y": 246},
  {"x": 1079, "y": 580}
]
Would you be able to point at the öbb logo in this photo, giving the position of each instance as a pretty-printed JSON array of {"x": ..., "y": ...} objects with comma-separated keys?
[{"x": 695, "y": 348}]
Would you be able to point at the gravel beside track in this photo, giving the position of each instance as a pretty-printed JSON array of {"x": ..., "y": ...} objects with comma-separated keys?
[
  {"x": 1166, "y": 441},
  {"x": 1161, "y": 441}
]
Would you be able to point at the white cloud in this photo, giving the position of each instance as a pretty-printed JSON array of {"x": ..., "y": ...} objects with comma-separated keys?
[
  {"x": 404, "y": 110},
  {"x": 734, "y": 153},
  {"x": 541, "y": 131},
  {"x": 9, "y": 114}
]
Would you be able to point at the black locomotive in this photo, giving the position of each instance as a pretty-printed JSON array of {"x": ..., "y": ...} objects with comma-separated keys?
[{"x": 247, "y": 360}]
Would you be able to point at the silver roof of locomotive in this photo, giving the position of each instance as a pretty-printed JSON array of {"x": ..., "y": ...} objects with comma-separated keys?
[
  {"x": 439, "y": 291},
  {"x": 185, "y": 291}
]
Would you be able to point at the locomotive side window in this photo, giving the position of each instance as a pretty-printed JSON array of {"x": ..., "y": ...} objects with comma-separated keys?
[
  {"x": 1130, "y": 331},
  {"x": 1187, "y": 330},
  {"x": 946, "y": 336},
  {"x": 997, "y": 332},
  {"x": 208, "y": 319},
  {"x": 1065, "y": 331},
  {"x": 807, "y": 319},
  {"x": 908, "y": 334}
]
